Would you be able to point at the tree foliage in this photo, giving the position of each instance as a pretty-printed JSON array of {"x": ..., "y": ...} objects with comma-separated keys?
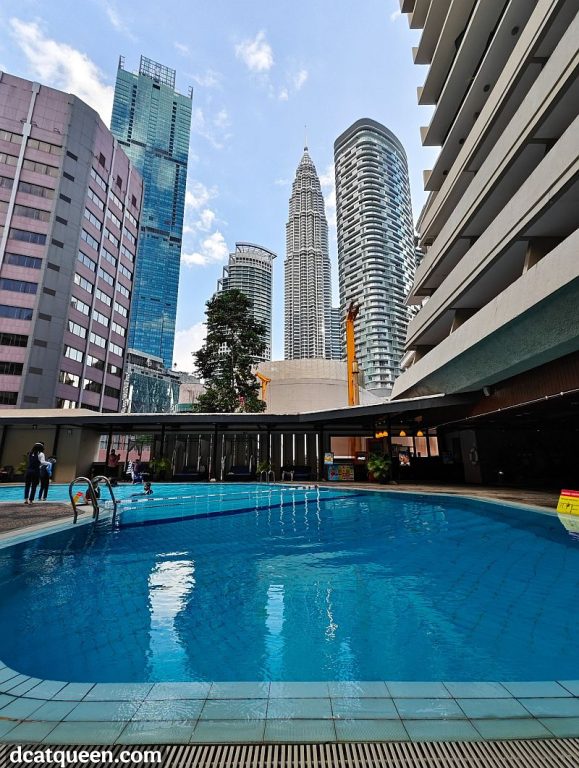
[{"x": 234, "y": 342}]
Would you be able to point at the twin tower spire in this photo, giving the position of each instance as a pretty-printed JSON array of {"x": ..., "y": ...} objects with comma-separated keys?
[{"x": 308, "y": 288}]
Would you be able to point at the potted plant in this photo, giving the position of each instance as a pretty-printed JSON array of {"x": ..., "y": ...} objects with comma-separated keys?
[
  {"x": 21, "y": 468},
  {"x": 263, "y": 466},
  {"x": 159, "y": 468},
  {"x": 380, "y": 467}
]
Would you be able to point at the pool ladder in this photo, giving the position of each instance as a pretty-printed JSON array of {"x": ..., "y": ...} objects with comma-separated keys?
[{"x": 91, "y": 495}]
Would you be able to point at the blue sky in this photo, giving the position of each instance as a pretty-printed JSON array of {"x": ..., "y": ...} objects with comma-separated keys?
[{"x": 260, "y": 71}]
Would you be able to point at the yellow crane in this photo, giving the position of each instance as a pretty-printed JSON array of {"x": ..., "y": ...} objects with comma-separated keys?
[
  {"x": 264, "y": 382},
  {"x": 353, "y": 386}
]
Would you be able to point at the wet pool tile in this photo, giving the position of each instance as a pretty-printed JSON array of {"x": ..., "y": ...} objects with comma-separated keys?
[
  {"x": 155, "y": 732},
  {"x": 440, "y": 730},
  {"x": 537, "y": 690},
  {"x": 239, "y": 691},
  {"x": 228, "y": 732},
  {"x": 73, "y": 692},
  {"x": 365, "y": 709},
  {"x": 478, "y": 690},
  {"x": 511, "y": 729},
  {"x": 6, "y": 698},
  {"x": 118, "y": 692},
  {"x": 54, "y": 711},
  {"x": 22, "y": 688},
  {"x": 176, "y": 710},
  {"x": 299, "y": 731},
  {"x": 355, "y": 689},
  {"x": 162, "y": 691},
  {"x": 422, "y": 709},
  {"x": 418, "y": 690},
  {"x": 551, "y": 707},
  {"x": 15, "y": 681},
  {"x": 6, "y": 675},
  {"x": 299, "y": 690},
  {"x": 370, "y": 730},
  {"x": 562, "y": 727},
  {"x": 19, "y": 709},
  {"x": 239, "y": 709},
  {"x": 106, "y": 711},
  {"x": 570, "y": 685},
  {"x": 492, "y": 708},
  {"x": 46, "y": 689},
  {"x": 84, "y": 733},
  {"x": 5, "y": 727},
  {"x": 29, "y": 733},
  {"x": 303, "y": 709}
]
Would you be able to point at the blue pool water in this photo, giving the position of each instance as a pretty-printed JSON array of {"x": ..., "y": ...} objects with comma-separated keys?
[{"x": 312, "y": 586}]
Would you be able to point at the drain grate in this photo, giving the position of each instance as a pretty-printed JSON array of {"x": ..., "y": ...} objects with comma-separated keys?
[{"x": 547, "y": 753}]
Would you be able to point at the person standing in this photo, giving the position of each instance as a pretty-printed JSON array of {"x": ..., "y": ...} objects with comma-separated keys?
[
  {"x": 46, "y": 470},
  {"x": 36, "y": 459},
  {"x": 113, "y": 463}
]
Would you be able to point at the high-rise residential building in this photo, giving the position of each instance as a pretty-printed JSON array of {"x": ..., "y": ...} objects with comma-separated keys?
[
  {"x": 70, "y": 203},
  {"x": 499, "y": 228},
  {"x": 375, "y": 246},
  {"x": 337, "y": 346},
  {"x": 308, "y": 289},
  {"x": 153, "y": 122},
  {"x": 250, "y": 271}
]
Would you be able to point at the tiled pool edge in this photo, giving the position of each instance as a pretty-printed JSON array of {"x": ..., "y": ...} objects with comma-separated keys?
[{"x": 47, "y": 711}]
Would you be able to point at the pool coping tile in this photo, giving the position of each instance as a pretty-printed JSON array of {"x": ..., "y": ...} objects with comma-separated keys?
[
  {"x": 157, "y": 732},
  {"x": 537, "y": 690}
]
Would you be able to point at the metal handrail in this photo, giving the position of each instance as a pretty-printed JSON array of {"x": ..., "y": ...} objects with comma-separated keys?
[
  {"x": 267, "y": 475},
  {"x": 92, "y": 495}
]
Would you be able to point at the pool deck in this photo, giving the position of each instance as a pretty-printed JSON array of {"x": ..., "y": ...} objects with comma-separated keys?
[{"x": 56, "y": 712}]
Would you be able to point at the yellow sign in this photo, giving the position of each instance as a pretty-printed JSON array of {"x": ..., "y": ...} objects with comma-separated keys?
[
  {"x": 568, "y": 510},
  {"x": 568, "y": 503}
]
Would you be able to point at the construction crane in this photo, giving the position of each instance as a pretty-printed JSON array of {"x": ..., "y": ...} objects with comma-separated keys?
[
  {"x": 264, "y": 380},
  {"x": 353, "y": 386}
]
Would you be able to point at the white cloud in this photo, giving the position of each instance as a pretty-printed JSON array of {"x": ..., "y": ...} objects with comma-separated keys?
[
  {"x": 198, "y": 195},
  {"x": 181, "y": 48},
  {"x": 395, "y": 15},
  {"x": 206, "y": 219},
  {"x": 212, "y": 250},
  {"x": 283, "y": 94},
  {"x": 116, "y": 19},
  {"x": 209, "y": 79},
  {"x": 300, "y": 78},
  {"x": 282, "y": 182},
  {"x": 256, "y": 54},
  {"x": 328, "y": 184},
  {"x": 214, "y": 128},
  {"x": 188, "y": 341},
  {"x": 63, "y": 67}
]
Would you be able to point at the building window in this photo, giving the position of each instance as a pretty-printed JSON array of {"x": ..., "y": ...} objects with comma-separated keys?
[
  {"x": 10, "y": 369},
  {"x": 104, "y": 297},
  {"x": 98, "y": 340},
  {"x": 18, "y": 286},
  {"x": 15, "y": 313},
  {"x": 105, "y": 276},
  {"x": 92, "y": 386},
  {"x": 62, "y": 403},
  {"x": 71, "y": 379},
  {"x": 93, "y": 220},
  {"x": 112, "y": 392},
  {"x": 99, "y": 179},
  {"x": 13, "y": 340},
  {"x": 89, "y": 239},
  {"x": 35, "y": 189},
  {"x": 86, "y": 261},
  {"x": 100, "y": 318},
  {"x": 79, "y": 305},
  {"x": 95, "y": 362},
  {"x": 18, "y": 260},
  {"x": 73, "y": 354},
  {"x": 115, "y": 349},
  {"x": 77, "y": 329},
  {"x": 27, "y": 237},
  {"x": 8, "y": 398},
  {"x": 79, "y": 280}
]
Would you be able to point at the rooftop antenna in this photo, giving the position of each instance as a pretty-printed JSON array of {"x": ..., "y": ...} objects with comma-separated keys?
[{"x": 305, "y": 138}]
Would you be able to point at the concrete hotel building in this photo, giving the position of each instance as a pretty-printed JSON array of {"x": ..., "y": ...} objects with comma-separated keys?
[
  {"x": 499, "y": 230},
  {"x": 153, "y": 122},
  {"x": 375, "y": 246},
  {"x": 69, "y": 213},
  {"x": 308, "y": 289},
  {"x": 250, "y": 271}
]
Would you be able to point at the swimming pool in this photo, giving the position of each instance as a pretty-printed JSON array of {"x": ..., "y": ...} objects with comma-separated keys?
[{"x": 317, "y": 585}]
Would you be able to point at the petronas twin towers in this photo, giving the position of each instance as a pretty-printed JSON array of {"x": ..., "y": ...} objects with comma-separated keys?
[{"x": 308, "y": 289}]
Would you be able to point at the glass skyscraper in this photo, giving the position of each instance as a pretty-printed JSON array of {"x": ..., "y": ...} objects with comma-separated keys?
[
  {"x": 376, "y": 258},
  {"x": 152, "y": 123}
]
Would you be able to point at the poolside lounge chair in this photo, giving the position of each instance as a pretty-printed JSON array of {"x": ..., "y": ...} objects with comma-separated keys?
[
  {"x": 238, "y": 472},
  {"x": 190, "y": 474},
  {"x": 296, "y": 472},
  {"x": 7, "y": 474}
]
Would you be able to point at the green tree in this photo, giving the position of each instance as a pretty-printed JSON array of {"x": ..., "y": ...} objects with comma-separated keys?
[{"x": 234, "y": 342}]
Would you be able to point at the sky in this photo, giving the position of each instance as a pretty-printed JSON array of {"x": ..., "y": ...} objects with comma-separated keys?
[{"x": 265, "y": 75}]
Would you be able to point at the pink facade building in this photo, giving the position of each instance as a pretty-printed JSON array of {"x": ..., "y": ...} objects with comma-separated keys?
[{"x": 70, "y": 203}]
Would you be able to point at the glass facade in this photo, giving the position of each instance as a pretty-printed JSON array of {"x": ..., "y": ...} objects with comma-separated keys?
[{"x": 153, "y": 122}]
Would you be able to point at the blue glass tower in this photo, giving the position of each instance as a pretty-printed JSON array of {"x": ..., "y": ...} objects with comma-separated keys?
[{"x": 152, "y": 123}]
